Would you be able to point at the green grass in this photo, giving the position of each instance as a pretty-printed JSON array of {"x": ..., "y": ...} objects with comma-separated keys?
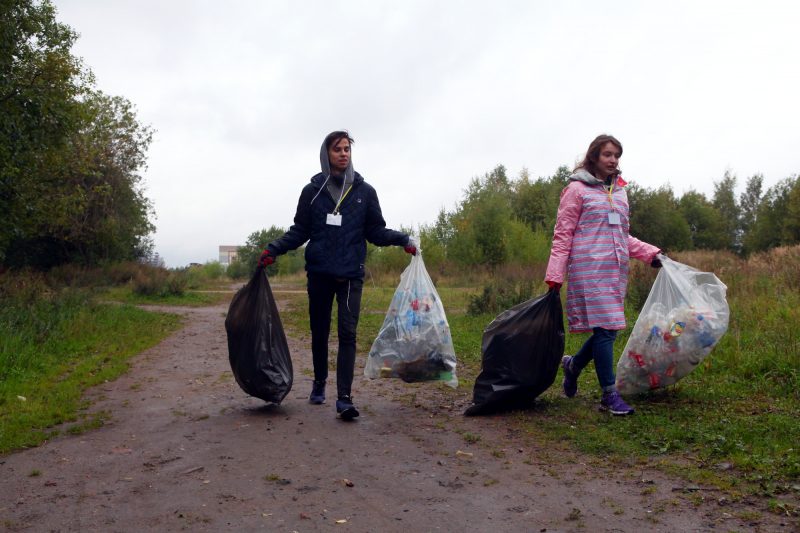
[
  {"x": 734, "y": 422},
  {"x": 189, "y": 298},
  {"x": 53, "y": 349}
]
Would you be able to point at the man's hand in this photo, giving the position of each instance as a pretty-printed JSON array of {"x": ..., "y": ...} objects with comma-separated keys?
[
  {"x": 411, "y": 247},
  {"x": 554, "y": 285},
  {"x": 266, "y": 259}
]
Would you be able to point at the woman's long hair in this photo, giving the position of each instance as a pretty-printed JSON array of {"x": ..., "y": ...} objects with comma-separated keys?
[{"x": 589, "y": 162}]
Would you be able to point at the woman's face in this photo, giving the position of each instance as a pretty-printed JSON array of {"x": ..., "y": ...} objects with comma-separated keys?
[
  {"x": 608, "y": 160},
  {"x": 339, "y": 155}
]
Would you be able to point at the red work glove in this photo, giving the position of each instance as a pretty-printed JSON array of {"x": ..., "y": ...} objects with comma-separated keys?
[
  {"x": 411, "y": 247},
  {"x": 554, "y": 285},
  {"x": 266, "y": 259}
]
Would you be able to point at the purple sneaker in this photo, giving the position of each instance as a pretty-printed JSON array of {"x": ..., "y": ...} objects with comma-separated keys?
[
  {"x": 614, "y": 403},
  {"x": 570, "y": 378}
]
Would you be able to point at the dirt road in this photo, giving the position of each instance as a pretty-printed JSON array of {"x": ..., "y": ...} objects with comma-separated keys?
[{"x": 186, "y": 449}]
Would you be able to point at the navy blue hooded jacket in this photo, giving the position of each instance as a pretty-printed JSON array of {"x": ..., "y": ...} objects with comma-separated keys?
[{"x": 338, "y": 251}]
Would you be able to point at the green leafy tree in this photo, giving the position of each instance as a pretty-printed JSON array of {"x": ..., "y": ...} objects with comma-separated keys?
[
  {"x": 536, "y": 202},
  {"x": 790, "y": 233},
  {"x": 442, "y": 230},
  {"x": 724, "y": 201},
  {"x": 768, "y": 229},
  {"x": 705, "y": 222},
  {"x": 749, "y": 201},
  {"x": 248, "y": 255},
  {"x": 655, "y": 218},
  {"x": 69, "y": 155},
  {"x": 480, "y": 225},
  {"x": 40, "y": 82}
]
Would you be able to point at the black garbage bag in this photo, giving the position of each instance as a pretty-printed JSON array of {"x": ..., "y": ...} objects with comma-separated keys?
[
  {"x": 257, "y": 347},
  {"x": 521, "y": 352}
]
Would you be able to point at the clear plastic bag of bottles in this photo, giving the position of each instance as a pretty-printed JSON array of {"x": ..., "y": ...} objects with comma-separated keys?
[
  {"x": 684, "y": 317},
  {"x": 414, "y": 343}
]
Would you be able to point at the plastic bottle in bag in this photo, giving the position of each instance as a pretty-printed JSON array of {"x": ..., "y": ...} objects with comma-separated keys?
[
  {"x": 684, "y": 317},
  {"x": 414, "y": 342}
]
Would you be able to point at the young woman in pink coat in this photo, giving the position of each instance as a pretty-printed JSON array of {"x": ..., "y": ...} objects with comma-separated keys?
[{"x": 591, "y": 246}]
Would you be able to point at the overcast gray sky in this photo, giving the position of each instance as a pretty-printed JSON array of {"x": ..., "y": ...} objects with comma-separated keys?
[{"x": 435, "y": 93}]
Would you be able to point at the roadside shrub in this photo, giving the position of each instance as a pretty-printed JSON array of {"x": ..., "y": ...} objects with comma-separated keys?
[
  {"x": 238, "y": 270},
  {"x": 780, "y": 264},
  {"x": 124, "y": 272},
  {"x": 500, "y": 295},
  {"x": 74, "y": 275},
  {"x": 212, "y": 270},
  {"x": 640, "y": 280},
  {"x": 159, "y": 282},
  {"x": 22, "y": 287},
  {"x": 31, "y": 311},
  {"x": 199, "y": 275}
]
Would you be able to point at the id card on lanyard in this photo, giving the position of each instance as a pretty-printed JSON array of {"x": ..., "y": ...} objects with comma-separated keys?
[
  {"x": 335, "y": 218},
  {"x": 613, "y": 217}
]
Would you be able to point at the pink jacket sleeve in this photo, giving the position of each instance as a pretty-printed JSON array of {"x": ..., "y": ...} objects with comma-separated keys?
[
  {"x": 569, "y": 212},
  {"x": 641, "y": 250}
]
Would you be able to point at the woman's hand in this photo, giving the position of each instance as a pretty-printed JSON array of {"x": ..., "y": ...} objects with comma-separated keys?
[{"x": 656, "y": 262}]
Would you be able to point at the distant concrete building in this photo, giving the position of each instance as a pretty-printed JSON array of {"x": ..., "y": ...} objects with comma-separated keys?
[{"x": 228, "y": 254}]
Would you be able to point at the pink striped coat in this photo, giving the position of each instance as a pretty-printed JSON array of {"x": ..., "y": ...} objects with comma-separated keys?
[{"x": 594, "y": 253}]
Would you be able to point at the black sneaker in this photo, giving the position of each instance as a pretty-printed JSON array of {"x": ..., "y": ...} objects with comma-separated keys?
[
  {"x": 317, "y": 392},
  {"x": 345, "y": 408}
]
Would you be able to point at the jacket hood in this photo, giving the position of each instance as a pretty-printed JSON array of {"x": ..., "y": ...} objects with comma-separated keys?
[
  {"x": 583, "y": 175},
  {"x": 325, "y": 165},
  {"x": 318, "y": 180}
]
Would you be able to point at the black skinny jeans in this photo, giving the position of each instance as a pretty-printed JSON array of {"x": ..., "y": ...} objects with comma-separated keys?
[{"x": 321, "y": 290}]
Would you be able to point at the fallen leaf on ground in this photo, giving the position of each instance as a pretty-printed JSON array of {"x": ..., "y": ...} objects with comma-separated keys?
[
  {"x": 459, "y": 453},
  {"x": 347, "y": 482},
  {"x": 341, "y": 521}
]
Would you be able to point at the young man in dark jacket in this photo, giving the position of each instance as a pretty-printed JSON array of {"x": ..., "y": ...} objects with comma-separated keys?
[{"x": 338, "y": 212}]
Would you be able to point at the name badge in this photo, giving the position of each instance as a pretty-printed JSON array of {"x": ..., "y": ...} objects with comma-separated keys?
[
  {"x": 613, "y": 218},
  {"x": 336, "y": 220}
]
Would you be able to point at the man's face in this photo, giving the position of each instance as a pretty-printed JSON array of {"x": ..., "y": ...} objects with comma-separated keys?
[{"x": 339, "y": 155}]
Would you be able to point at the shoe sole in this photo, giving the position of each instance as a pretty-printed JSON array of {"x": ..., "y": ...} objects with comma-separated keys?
[
  {"x": 616, "y": 413},
  {"x": 348, "y": 414},
  {"x": 316, "y": 402}
]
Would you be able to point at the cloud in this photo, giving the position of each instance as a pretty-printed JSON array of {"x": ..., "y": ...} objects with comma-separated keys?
[{"x": 435, "y": 93}]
